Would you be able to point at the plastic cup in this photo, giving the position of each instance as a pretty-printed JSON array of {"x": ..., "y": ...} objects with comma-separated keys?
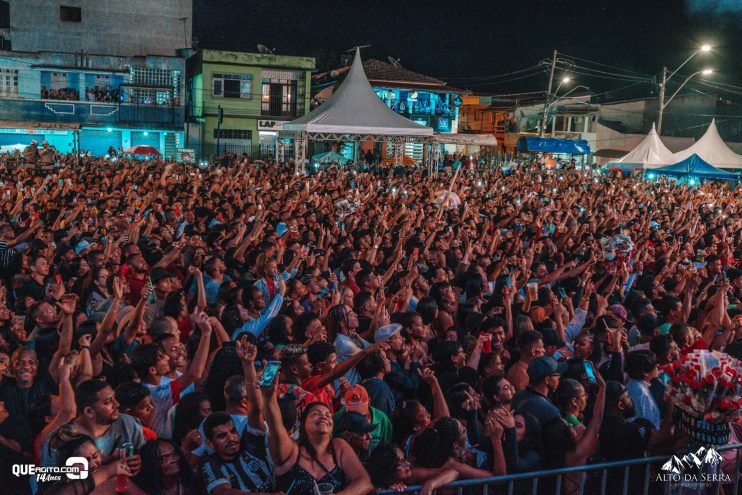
[
  {"x": 486, "y": 340},
  {"x": 325, "y": 489},
  {"x": 532, "y": 290}
]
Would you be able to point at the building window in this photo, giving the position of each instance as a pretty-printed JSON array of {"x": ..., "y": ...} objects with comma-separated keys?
[
  {"x": 232, "y": 134},
  {"x": 70, "y": 14},
  {"x": 279, "y": 97},
  {"x": 231, "y": 85},
  {"x": 154, "y": 86},
  {"x": 8, "y": 82}
]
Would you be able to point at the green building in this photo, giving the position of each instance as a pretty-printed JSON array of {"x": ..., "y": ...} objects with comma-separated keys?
[{"x": 239, "y": 101}]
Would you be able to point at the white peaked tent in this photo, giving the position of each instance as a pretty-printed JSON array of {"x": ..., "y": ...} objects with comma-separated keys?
[
  {"x": 355, "y": 113},
  {"x": 711, "y": 149},
  {"x": 650, "y": 153},
  {"x": 355, "y": 108}
]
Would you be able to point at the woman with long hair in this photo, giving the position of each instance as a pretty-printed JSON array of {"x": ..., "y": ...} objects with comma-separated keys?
[
  {"x": 316, "y": 458},
  {"x": 101, "y": 478},
  {"x": 342, "y": 326},
  {"x": 390, "y": 469},
  {"x": 98, "y": 291},
  {"x": 190, "y": 411},
  {"x": 437, "y": 447},
  {"x": 165, "y": 470}
]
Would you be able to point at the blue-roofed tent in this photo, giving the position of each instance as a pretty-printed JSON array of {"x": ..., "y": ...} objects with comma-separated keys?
[
  {"x": 694, "y": 165},
  {"x": 536, "y": 144}
]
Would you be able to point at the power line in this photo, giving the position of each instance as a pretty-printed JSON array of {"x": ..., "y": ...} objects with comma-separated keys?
[
  {"x": 623, "y": 76},
  {"x": 490, "y": 83},
  {"x": 606, "y": 65},
  {"x": 494, "y": 76}
]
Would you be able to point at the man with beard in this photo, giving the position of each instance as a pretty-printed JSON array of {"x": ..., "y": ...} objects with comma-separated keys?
[
  {"x": 238, "y": 464},
  {"x": 622, "y": 436},
  {"x": 99, "y": 418}
]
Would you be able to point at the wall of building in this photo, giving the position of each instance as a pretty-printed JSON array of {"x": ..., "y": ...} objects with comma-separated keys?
[
  {"x": 113, "y": 27},
  {"x": 239, "y": 114}
]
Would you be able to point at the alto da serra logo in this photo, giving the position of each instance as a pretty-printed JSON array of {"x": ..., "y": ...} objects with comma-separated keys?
[{"x": 696, "y": 469}]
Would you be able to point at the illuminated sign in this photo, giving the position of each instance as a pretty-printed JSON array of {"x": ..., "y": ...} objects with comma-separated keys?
[
  {"x": 444, "y": 124},
  {"x": 270, "y": 125}
]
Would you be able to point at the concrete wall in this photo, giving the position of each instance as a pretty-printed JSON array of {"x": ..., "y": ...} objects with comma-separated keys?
[{"x": 114, "y": 27}]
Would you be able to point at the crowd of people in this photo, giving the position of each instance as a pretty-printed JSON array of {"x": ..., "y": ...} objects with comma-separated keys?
[
  {"x": 104, "y": 94},
  {"x": 246, "y": 329}
]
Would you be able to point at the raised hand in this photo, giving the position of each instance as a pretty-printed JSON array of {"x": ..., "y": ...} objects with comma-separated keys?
[
  {"x": 119, "y": 287},
  {"x": 246, "y": 351},
  {"x": 428, "y": 375},
  {"x": 68, "y": 304}
]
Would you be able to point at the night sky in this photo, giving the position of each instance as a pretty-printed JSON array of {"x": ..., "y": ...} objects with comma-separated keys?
[{"x": 467, "y": 42}]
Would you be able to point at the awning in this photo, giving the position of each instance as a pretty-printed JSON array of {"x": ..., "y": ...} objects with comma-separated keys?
[
  {"x": 610, "y": 153},
  {"x": 695, "y": 166},
  {"x": 466, "y": 139},
  {"x": 38, "y": 126},
  {"x": 552, "y": 145}
]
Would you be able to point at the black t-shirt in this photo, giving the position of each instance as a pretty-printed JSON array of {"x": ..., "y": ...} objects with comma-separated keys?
[
  {"x": 17, "y": 400},
  {"x": 621, "y": 439},
  {"x": 250, "y": 471},
  {"x": 30, "y": 289}
]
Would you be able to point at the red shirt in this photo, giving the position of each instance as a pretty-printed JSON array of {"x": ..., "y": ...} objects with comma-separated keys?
[
  {"x": 699, "y": 344},
  {"x": 350, "y": 283},
  {"x": 148, "y": 433},
  {"x": 325, "y": 394}
]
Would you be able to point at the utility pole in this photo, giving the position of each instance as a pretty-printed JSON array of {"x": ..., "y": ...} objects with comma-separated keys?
[
  {"x": 220, "y": 119},
  {"x": 548, "y": 93},
  {"x": 662, "y": 100}
]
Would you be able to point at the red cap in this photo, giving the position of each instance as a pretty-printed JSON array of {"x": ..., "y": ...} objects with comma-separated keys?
[{"x": 356, "y": 399}]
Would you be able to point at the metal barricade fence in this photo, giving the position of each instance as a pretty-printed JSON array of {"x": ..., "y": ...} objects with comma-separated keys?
[{"x": 594, "y": 480}]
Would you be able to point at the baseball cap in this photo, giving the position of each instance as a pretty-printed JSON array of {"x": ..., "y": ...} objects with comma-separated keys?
[
  {"x": 544, "y": 366},
  {"x": 385, "y": 332},
  {"x": 158, "y": 273},
  {"x": 356, "y": 399},
  {"x": 82, "y": 246},
  {"x": 613, "y": 391},
  {"x": 619, "y": 311},
  {"x": 355, "y": 423}
]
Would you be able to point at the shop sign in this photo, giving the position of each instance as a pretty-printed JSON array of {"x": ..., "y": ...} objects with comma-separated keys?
[
  {"x": 270, "y": 125},
  {"x": 46, "y": 132}
]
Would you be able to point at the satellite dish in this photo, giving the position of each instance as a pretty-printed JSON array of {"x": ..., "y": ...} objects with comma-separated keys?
[
  {"x": 265, "y": 50},
  {"x": 394, "y": 62},
  {"x": 334, "y": 73}
]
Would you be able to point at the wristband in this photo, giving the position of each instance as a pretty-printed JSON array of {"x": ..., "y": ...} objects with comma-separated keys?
[{"x": 84, "y": 347}]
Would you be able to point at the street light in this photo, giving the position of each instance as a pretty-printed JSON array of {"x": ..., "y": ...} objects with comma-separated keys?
[
  {"x": 548, "y": 104},
  {"x": 663, "y": 85},
  {"x": 704, "y": 72}
]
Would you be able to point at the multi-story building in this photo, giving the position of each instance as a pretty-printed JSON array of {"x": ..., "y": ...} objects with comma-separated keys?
[
  {"x": 422, "y": 99},
  {"x": 240, "y": 100},
  {"x": 89, "y": 75}
]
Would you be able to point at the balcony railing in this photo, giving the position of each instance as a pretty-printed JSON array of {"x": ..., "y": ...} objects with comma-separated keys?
[{"x": 91, "y": 113}]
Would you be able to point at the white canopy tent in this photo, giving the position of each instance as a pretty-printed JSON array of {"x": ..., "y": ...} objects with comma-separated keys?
[
  {"x": 355, "y": 108},
  {"x": 650, "y": 153},
  {"x": 711, "y": 149},
  {"x": 355, "y": 113}
]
